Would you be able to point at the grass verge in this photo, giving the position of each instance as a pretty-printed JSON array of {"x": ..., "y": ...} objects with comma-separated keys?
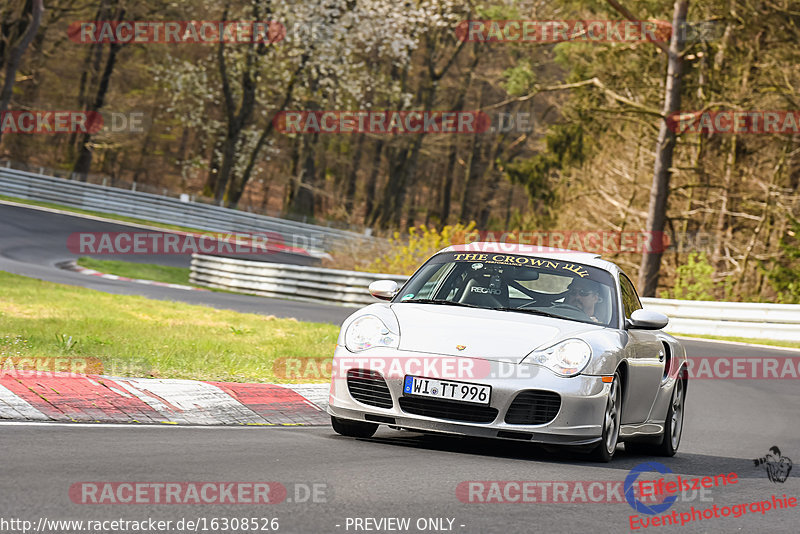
[
  {"x": 136, "y": 336},
  {"x": 144, "y": 271},
  {"x": 749, "y": 340}
]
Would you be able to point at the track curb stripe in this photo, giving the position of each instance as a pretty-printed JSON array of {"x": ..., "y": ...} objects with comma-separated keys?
[
  {"x": 72, "y": 266},
  {"x": 100, "y": 399}
]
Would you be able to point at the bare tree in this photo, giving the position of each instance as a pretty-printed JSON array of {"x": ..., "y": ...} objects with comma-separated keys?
[
  {"x": 665, "y": 147},
  {"x": 15, "y": 51}
]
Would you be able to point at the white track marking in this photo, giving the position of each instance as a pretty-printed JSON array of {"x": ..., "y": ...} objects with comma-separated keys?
[
  {"x": 15, "y": 407},
  {"x": 316, "y": 393},
  {"x": 187, "y": 401}
]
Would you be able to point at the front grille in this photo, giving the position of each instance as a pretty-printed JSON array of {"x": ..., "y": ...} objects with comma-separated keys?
[
  {"x": 533, "y": 407},
  {"x": 369, "y": 387},
  {"x": 443, "y": 409}
]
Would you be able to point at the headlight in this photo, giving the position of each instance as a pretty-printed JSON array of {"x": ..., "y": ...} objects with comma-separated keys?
[
  {"x": 566, "y": 358},
  {"x": 367, "y": 332}
]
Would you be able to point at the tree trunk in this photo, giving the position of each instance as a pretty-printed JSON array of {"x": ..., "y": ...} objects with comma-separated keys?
[
  {"x": 352, "y": 175},
  {"x": 236, "y": 188},
  {"x": 84, "y": 162},
  {"x": 372, "y": 184},
  {"x": 447, "y": 184},
  {"x": 236, "y": 120},
  {"x": 659, "y": 192},
  {"x": 15, "y": 57},
  {"x": 301, "y": 194}
]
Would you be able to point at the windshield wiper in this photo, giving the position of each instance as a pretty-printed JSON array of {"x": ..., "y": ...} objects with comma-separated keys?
[
  {"x": 445, "y": 302},
  {"x": 532, "y": 312}
]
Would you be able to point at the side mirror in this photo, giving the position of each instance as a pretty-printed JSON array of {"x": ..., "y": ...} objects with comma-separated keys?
[
  {"x": 647, "y": 320},
  {"x": 384, "y": 289}
]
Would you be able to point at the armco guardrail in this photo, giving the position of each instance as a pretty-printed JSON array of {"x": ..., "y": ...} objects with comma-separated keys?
[
  {"x": 311, "y": 284},
  {"x": 314, "y": 284},
  {"x": 730, "y": 319},
  {"x": 168, "y": 210}
]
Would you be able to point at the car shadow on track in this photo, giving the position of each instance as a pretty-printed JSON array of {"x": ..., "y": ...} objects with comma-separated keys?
[{"x": 682, "y": 463}]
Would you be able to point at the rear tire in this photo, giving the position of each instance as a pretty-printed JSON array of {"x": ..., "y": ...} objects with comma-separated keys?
[
  {"x": 673, "y": 427},
  {"x": 611, "y": 423},
  {"x": 353, "y": 429}
]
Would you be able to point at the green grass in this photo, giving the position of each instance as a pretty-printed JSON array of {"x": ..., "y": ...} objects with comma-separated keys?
[
  {"x": 111, "y": 216},
  {"x": 136, "y": 336},
  {"x": 144, "y": 271},
  {"x": 752, "y": 341}
]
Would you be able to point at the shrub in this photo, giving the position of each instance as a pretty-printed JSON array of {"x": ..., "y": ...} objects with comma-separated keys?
[
  {"x": 784, "y": 274},
  {"x": 693, "y": 280},
  {"x": 405, "y": 256}
]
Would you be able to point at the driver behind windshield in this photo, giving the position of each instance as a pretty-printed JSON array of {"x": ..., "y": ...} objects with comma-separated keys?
[{"x": 585, "y": 295}]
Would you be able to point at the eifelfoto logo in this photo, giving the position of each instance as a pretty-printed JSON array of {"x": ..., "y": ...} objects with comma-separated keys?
[{"x": 778, "y": 467}]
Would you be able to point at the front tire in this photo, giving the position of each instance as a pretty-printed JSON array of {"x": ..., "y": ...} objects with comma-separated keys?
[
  {"x": 611, "y": 423},
  {"x": 353, "y": 429}
]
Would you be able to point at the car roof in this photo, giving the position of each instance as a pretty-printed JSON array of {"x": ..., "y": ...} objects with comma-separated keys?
[{"x": 577, "y": 256}]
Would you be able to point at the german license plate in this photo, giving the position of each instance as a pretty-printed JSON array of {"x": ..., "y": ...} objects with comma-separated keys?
[{"x": 447, "y": 389}]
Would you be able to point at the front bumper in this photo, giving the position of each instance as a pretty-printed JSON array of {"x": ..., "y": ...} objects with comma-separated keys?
[{"x": 578, "y": 421}]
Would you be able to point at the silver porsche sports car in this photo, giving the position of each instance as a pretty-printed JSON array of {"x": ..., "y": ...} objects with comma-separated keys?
[{"x": 514, "y": 342}]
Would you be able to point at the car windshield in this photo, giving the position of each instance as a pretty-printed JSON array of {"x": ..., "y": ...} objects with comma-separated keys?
[{"x": 515, "y": 284}]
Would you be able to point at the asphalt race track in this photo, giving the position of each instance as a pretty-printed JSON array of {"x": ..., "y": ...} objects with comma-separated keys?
[
  {"x": 32, "y": 242},
  {"x": 400, "y": 474},
  {"x": 396, "y": 474}
]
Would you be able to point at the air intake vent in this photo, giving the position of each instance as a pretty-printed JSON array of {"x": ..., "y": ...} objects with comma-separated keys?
[
  {"x": 369, "y": 387},
  {"x": 454, "y": 411},
  {"x": 533, "y": 407}
]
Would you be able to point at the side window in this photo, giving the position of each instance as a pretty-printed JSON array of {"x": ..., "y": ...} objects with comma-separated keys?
[
  {"x": 630, "y": 301},
  {"x": 440, "y": 271}
]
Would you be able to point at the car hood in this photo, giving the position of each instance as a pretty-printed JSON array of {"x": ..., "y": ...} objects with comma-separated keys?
[{"x": 487, "y": 334}]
